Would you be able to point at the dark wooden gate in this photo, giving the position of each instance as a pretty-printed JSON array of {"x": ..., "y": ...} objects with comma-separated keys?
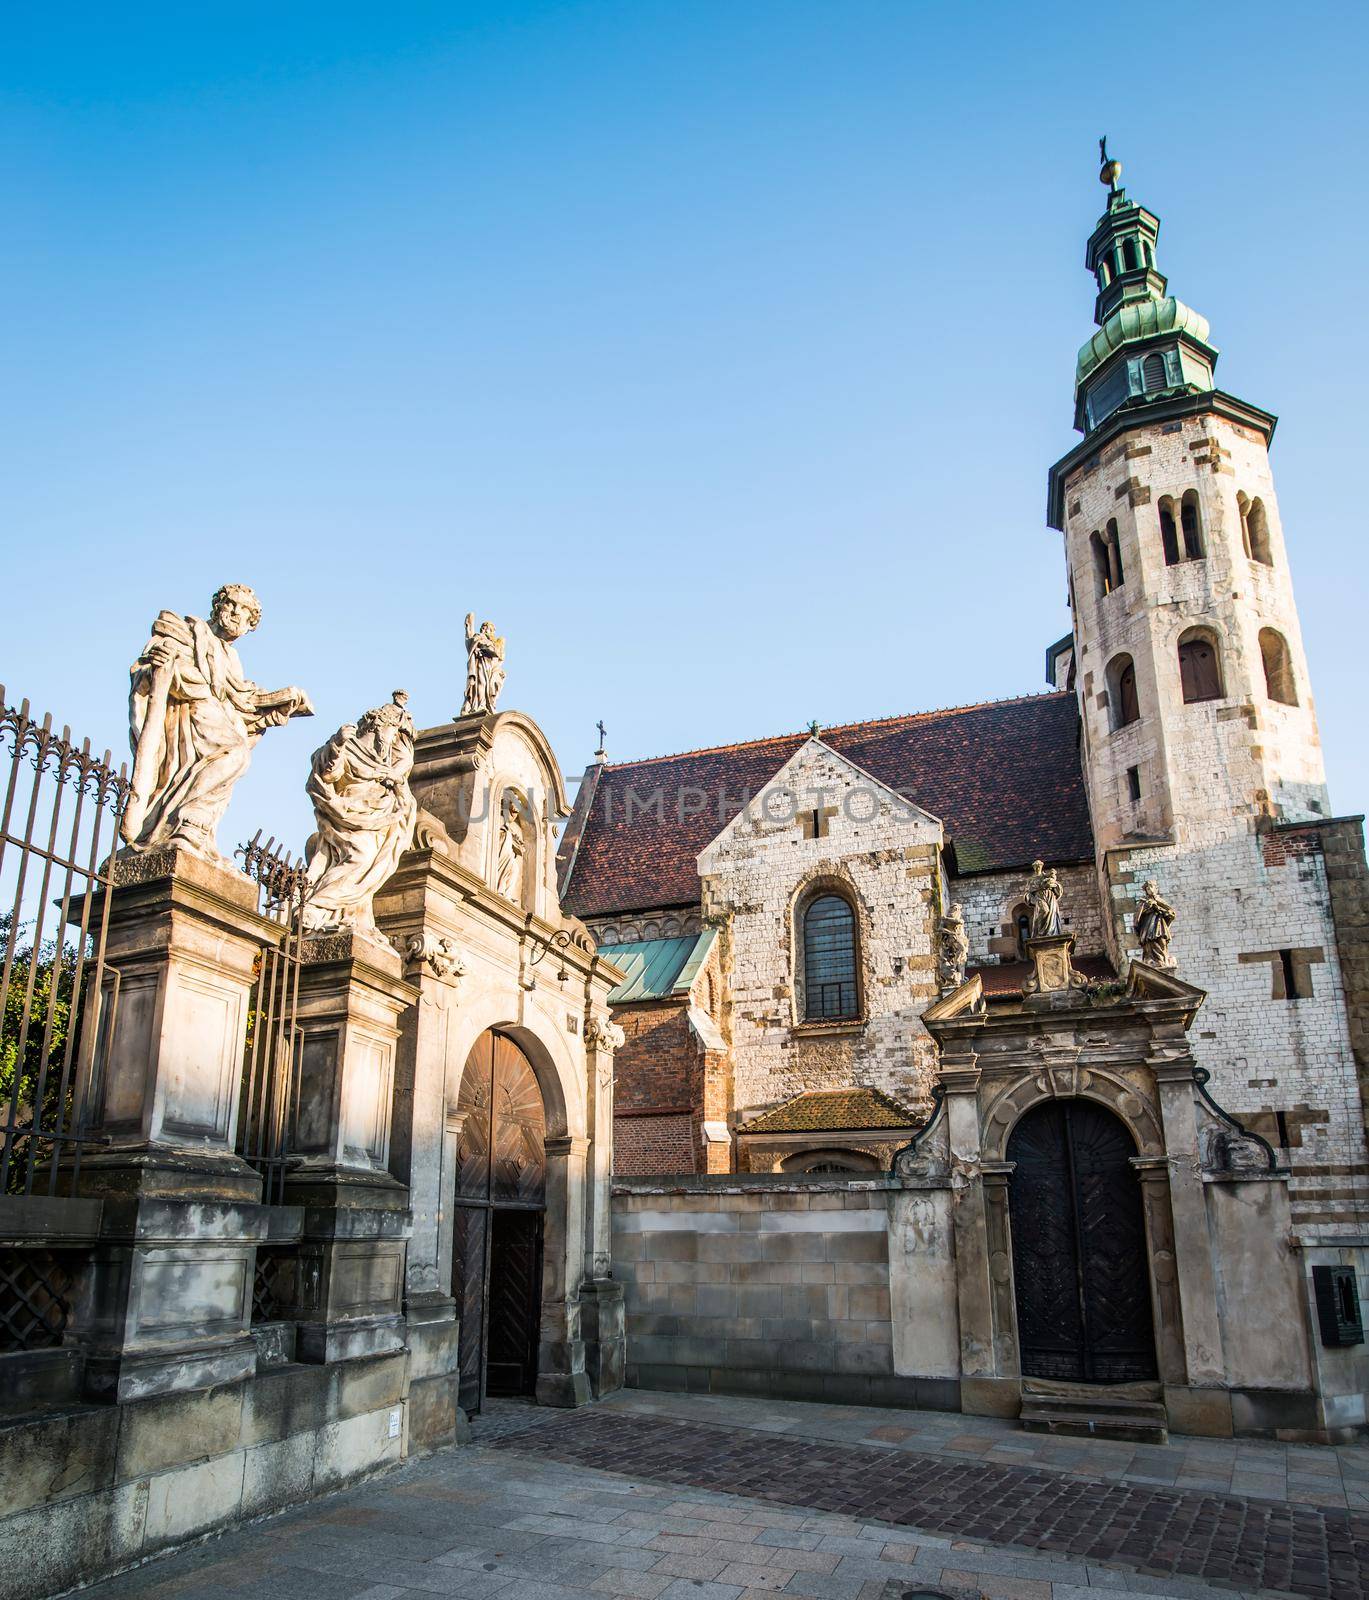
[
  {"x": 501, "y": 1174},
  {"x": 1079, "y": 1247}
]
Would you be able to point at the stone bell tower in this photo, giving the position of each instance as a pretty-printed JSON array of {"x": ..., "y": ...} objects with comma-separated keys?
[{"x": 1193, "y": 688}]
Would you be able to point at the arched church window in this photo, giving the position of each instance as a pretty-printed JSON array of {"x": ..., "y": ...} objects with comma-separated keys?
[
  {"x": 1102, "y": 565},
  {"x": 1243, "y": 508},
  {"x": 1153, "y": 372},
  {"x": 1169, "y": 533},
  {"x": 1257, "y": 526},
  {"x": 830, "y": 989},
  {"x": 1278, "y": 667},
  {"x": 1192, "y": 526},
  {"x": 1200, "y": 668},
  {"x": 1129, "y": 255},
  {"x": 1122, "y": 698}
]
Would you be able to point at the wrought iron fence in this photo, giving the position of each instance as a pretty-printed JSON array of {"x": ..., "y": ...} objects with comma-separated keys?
[
  {"x": 59, "y": 828},
  {"x": 35, "y": 1297},
  {"x": 270, "y": 1080}
]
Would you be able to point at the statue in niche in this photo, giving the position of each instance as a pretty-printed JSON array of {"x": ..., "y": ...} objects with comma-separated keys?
[
  {"x": 1043, "y": 903},
  {"x": 484, "y": 667},
  {"x": 364, "y": 815},
  {"x": 1153, "y": 925},
  {"x": 193, "y": 720},
  {"x": 511, "y": 856},
  {"x": 953, "y": 949}
]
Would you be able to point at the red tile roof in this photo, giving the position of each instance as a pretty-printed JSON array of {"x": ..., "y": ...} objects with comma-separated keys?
[
  {"x": 827, "y": 1110},
  {"x": 1004, "y": 778}
]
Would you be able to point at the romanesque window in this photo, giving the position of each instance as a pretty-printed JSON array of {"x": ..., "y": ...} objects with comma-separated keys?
[
  {"x": 1102, "y": 565},
  {"x": 1192, "y": 526},
  {"x": 1169, "y": 533},
  {"x": 1256, "y": 525},
  {"x": 1278, "y": 668},
  {"x": 1153, "y": 372},
  {"x": 830, "y": 989},
  {"x": 1200, "y": 668},
  {"x": 1122, "y": 701}
]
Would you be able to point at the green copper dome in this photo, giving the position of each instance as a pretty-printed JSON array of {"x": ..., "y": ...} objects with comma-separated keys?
[{"x": 1141, "y": 319}]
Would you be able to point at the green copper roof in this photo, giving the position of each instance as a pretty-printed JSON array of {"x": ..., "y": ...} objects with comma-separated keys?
[
  {"x": 656, "y": 968},
  {"x": 1140, "y": 319}
]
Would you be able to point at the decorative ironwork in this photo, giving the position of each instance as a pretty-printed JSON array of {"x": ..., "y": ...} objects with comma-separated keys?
[
  {"x": 1202, "y": 1077},
  {"x": 35, "y": 1305},
  {"x": 1079, "y": 1247},
  {"x": 273, "y": 1282},
  {"x": 58, "y": 819},
  {"x": 270, "y": 1081}
]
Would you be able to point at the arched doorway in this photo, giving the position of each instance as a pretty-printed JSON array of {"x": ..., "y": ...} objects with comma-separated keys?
[
  {"x": 1080, "y": 1264},
  {"x": 500, "y": 1200}
]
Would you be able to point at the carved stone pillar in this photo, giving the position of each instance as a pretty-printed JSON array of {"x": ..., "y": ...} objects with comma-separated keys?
[
  {"x": 356, "y": 1217},
  {"x": 602, "y": 1038},
  {"x": 561, "y": 1376},
  {"x": 1172, "y": 1066},
  {"x": 1166, "y": 1304},
  {"x": 1007, "y": 1356},
  {"x": 166, "y": 1303}
]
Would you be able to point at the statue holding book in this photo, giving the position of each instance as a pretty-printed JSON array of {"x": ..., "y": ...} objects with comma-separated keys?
[{"x": 193, "y": 720}]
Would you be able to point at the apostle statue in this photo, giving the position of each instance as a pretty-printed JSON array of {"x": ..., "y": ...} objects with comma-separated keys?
[
  {"x": 364, "y": 814},
  {"x": 193, "y": 719},
  {"x": 513, "y": 848},
  {"x": 953, "y": 949},
  {"x": 1043, "y": 903},
  {"x": 484, "y": 667},
  {"x": 1154, "y": 920}
]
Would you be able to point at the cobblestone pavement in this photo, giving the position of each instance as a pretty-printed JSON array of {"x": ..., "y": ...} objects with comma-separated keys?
[{"x": 530, "y": 1513}]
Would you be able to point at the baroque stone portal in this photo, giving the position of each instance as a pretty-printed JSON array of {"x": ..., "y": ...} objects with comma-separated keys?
[
  {"x": 193, "y": 720},
  {"x": 484, "y": 667},
  {"x": 365, "y": 815}
]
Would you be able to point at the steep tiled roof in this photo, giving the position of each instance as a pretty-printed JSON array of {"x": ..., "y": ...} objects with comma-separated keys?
[
  {"x": 826, "y": 1110},
  {"x": 1003, "y": 777}
]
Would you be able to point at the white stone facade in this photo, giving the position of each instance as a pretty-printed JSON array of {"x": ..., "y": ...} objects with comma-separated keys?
[
  {"x": 883, "y": 854},
  {"x": 1216, "y": 778}
]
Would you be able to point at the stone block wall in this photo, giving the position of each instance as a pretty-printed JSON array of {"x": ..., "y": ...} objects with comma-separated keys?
[
  {"x": 92, "y": 1489},
  {"x": 763, "y": 1286},
  {"x": 988, "y": 901}
]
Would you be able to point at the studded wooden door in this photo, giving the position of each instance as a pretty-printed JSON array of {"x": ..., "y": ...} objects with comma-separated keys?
[
  {"x": 1079, "y": 1248},
  {"x": 496, "y": 1265}
]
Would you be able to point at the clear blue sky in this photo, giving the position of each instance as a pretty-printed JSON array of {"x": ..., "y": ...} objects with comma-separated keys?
[{"x": 718, "y": 351}]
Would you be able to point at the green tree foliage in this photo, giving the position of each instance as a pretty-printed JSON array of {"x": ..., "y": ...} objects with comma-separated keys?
[{"x": 51, "y": 970}]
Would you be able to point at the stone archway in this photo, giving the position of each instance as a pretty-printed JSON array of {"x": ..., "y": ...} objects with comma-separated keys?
[
  {"x": 1080, "y": 1265},
  {"x": 498, "y": 1212}
]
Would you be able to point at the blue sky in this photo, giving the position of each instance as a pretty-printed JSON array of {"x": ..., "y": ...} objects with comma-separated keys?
[{"x": 717, "y": 351}]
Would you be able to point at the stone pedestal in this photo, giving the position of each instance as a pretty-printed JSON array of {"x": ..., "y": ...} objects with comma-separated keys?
[
  {"x": 1052, "y": 982},
  {"x": 166, "y": 1302},
  {"x": 356, "y": 1219}
]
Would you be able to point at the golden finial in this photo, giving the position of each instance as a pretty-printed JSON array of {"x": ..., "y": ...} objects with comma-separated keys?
[{"x": 1111, "y": 170}]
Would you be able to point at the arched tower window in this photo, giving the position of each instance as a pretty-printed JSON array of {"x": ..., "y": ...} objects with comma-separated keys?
[
  {"x": 1102, "y": 565},
  {"x": 1123, "y": 704},
  {"x": 1257, "y": 527},
  {"x": 1192, "y": 526},
  {"x": 830, "y": 988},
  {"x": 1114, "y": 544},
  {"x": 1243, "y": 507},
  {"x": 1278, "y": 667},
  {"x": 1169, "y": 532},
  {"x": 1200, "y": 666},
  {"x": 1153, "y": 372},
  {"x": 1129, "y": 255}
]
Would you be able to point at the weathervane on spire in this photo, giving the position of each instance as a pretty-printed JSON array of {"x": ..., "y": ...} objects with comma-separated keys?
[{"x": 1111, "y": 170}]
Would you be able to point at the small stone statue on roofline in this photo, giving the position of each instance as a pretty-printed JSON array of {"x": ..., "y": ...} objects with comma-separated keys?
[
  {"x": 1153, "y": 925},
  {"x": 1043, "y": 892},
  {"x": 364, "y": 814},
  {"x": 953, "y": 949},
  {"x": 193, "y": 720},
  {"x": 484, "y": 667}
]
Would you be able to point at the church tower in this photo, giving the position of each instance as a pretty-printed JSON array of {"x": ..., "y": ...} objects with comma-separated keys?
[
  {"x": 1193, "y": 688},
  {"x": 1198, "y": 736}
]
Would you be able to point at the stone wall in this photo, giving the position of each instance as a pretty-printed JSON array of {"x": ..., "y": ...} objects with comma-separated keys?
[
  {"x": 776, "y": 1286},
  {"x": 91, "y": 1489},
  {"x": 881, "y": 852},
  {"x": 988, "y": 901}
]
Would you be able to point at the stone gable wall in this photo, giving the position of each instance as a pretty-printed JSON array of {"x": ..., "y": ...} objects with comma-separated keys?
[{"x": 884, "y": 854}]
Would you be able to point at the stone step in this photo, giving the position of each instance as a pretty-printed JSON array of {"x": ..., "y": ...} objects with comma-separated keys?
[{"x": 1133, "y": 1421}]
